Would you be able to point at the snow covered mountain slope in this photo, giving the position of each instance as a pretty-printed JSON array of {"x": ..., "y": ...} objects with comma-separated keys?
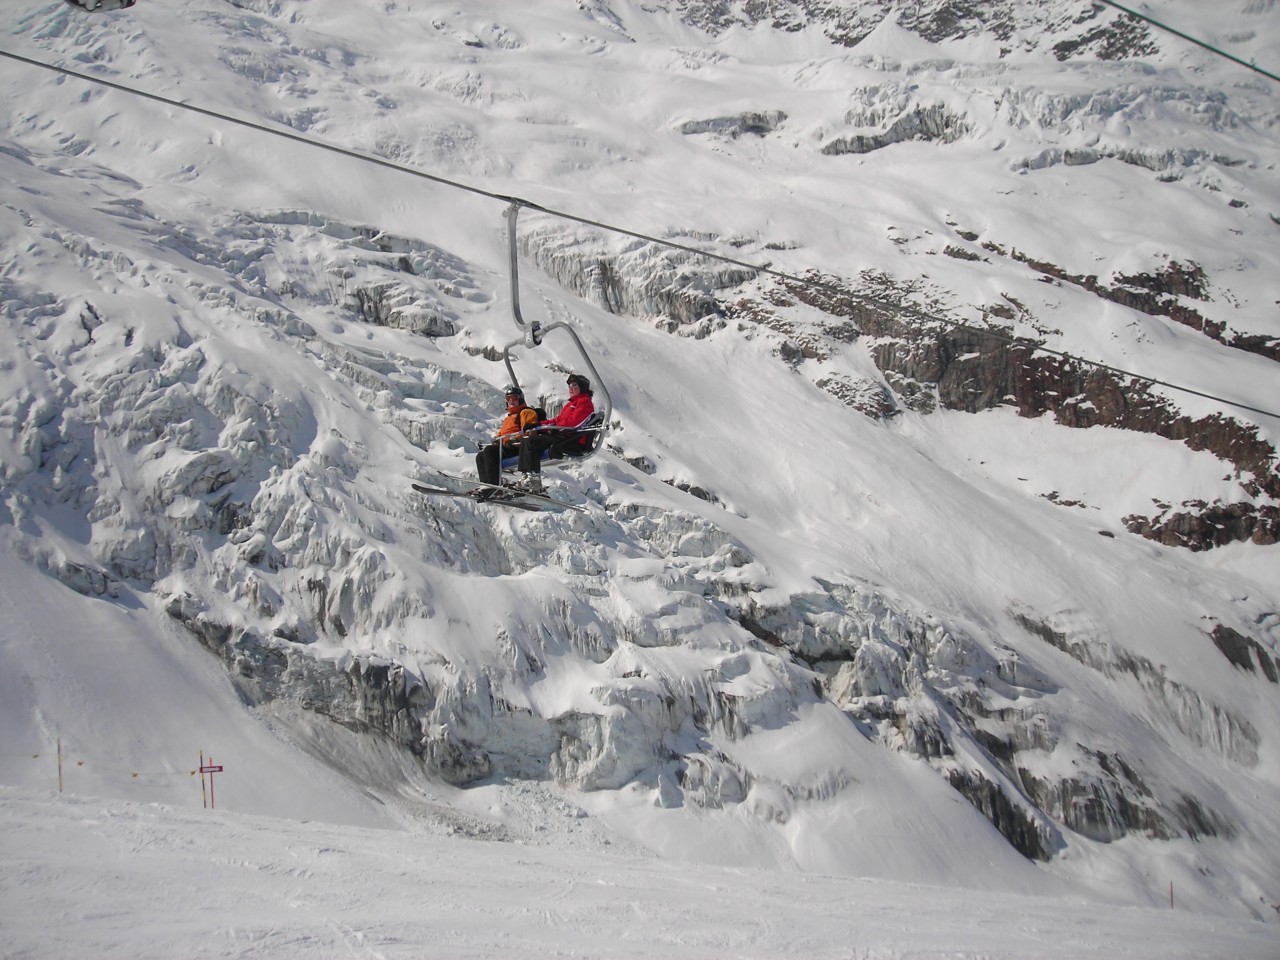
[{"x": 849, "y": 561}]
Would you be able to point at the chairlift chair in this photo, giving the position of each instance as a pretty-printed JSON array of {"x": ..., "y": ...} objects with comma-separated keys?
[
  {"x": 101, "y": 4},
  {"x": 597, "y": 425}
]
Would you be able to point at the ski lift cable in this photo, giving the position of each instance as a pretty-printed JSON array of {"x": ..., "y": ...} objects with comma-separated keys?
[
  {"x": 274, "y": 131},
  {"x": 518, "y": 202},
  {"x": 1190, "y": 39}
]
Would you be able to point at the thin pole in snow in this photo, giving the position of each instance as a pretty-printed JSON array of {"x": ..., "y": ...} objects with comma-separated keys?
[{"x": 210, "y": 768}]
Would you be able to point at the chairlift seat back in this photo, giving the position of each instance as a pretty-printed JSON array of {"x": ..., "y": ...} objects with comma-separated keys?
[{"x": 591, "y": 429}]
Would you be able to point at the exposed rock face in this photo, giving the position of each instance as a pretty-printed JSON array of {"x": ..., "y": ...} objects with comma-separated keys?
[
  {"x": 388, "y": 305},
  {"x": 933, "y": 123},
  {"x": 866, "y": 396},
  {"x": 982, "y": 720},
  {"x": 1017, "y": 827},
  {"x": 1246, "y": 652},
  {"x": 967, "y": 369},
  {"x": 1121, "y": 38},
  {"x": 1210, "y": 526},
  {"x": 755, "y": 124},
  {"x": 1159, "y": 294},
  {"x": 639, "y": 280},
  {"x": 974, "y": 371},
  {"x": 1079, "y": 29}
]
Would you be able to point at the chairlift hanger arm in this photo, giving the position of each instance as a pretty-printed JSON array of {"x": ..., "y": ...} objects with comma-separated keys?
[{"x": 532, "y": 336}]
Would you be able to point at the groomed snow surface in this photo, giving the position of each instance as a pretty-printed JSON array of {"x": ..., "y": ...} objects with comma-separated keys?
[{"x": 89, "y": 875}]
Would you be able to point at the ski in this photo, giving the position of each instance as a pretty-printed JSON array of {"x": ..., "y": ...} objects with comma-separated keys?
[
  {"x": 471, "y": 495},
  {"x": 501, "y": 496}
]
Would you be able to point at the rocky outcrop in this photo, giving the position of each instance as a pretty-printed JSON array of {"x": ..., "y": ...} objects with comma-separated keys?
[
  {"x": 975, "y": 371},
  {"x": 392, "y": 305},
  {"x": 868, "y": 397},
  {"x": 968, "y": 369},
  {"x": 1203, "y": 526},
  {"x": 1246, "y": 653},
  {"x": 642, "y": 279},
  {"x": 932, "y": 123},
  {"x": 1028, "y": 836},
  {"x": 980, "y": 717},
  {"x": 1121, "y": 38},
  {"x": 1077, "y": 30},
  {"x": 1160, "y": 294},
  {"x": 756, "y": 123}
]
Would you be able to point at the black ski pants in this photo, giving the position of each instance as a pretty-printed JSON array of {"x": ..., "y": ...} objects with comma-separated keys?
[
  {"x": 557, "y": 444},
  {"x": 489, "y": 460}
]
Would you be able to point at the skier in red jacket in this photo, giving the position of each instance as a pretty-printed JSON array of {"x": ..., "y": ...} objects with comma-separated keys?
[{"x": 561, "y": 436}]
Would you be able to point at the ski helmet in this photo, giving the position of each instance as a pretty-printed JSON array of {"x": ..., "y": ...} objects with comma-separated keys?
[{"x": 514, "y": 392}]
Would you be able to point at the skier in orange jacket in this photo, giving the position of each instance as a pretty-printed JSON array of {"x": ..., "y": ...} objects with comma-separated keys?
[{"x": 508, "y": 441}]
